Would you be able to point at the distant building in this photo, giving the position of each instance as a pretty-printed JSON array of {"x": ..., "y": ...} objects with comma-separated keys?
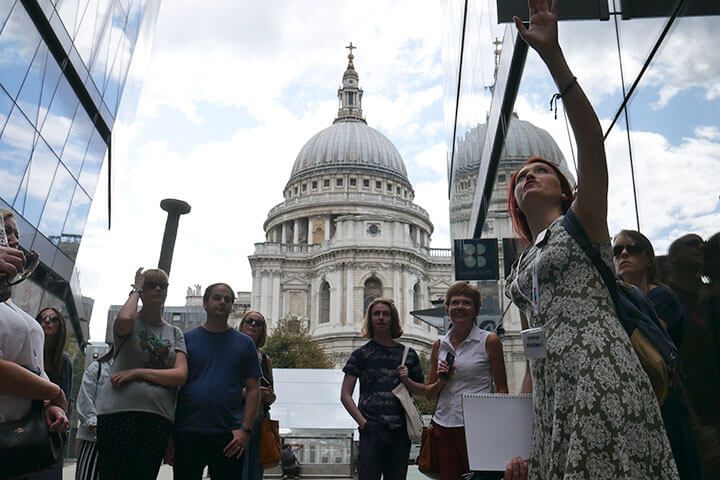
[{"x": 347, "y": 232}]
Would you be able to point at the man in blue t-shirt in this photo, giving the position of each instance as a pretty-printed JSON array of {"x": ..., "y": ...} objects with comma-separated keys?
[{"x": 217, "y": 405}]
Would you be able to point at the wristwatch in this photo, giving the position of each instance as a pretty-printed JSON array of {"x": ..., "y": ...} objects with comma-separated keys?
[
  {"x": 134, "y": 290},
  {"x": 246, "y": 429}
]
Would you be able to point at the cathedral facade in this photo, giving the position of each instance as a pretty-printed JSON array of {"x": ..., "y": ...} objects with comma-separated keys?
[{"x": 348, "y": 231}]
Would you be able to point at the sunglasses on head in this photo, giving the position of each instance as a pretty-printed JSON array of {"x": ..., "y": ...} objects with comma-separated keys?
[
  {"x": 255, "y": 322},
  {"x": 630, "y": 248},
  {"x": 153, "y": 285}
]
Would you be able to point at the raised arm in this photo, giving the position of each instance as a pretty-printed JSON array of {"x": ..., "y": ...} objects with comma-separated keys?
[
  {"x": 436, "y": 382},
  {"x": 125, "y": 319},
  {"x": 591, "y": 202}
]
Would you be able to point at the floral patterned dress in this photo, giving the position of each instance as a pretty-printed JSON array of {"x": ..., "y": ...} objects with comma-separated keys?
[{"x": 596, "y": 416}]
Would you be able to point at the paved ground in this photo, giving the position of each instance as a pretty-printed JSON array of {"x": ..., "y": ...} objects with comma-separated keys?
[{"x": 166, "y": 473}]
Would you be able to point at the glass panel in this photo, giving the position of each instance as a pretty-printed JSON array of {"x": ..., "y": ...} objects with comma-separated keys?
[
  {"x": 39, "y": 86},
  {"x": 35, "y": 186},
  {"x": 15, "y": 148},
  {"x": 77, "y": 142},
  {"x": 5, "y": 11},
  {"x": 75, "y": 223},
  {"x": 69, "y": 11},
  {"x": 56, "y": 127},
  {"x": 6, "y": 105},
  {"x": 88, "y": 34},
  {"x": 93, "y": 163},
  {"x": 18, "y": 42},
  {"x": 58, "y": 203}
]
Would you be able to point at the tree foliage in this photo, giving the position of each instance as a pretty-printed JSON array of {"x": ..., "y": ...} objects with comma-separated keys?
[
  {"x": 425, "y": 405},
  {"x": 291, "y": 346}
]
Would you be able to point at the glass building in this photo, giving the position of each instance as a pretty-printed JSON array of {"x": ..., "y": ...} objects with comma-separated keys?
[{"x": 65, "y": 65}]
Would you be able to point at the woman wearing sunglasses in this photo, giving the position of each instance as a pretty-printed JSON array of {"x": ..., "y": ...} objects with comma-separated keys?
[
  {"x": 253, "y": 324},
  {"x": 634, "y": 259},
  {"x": 136, "y": 409},
  {"x": 58, "y": 368}
]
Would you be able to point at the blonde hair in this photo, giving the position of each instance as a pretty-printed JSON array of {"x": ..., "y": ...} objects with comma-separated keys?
[{"x": 263, "y": 336}]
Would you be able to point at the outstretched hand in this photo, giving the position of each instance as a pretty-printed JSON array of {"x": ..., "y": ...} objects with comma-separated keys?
[{"x": 542, "y": 34}]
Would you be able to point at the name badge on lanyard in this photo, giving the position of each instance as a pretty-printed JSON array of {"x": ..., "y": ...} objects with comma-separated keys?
[{"x": 534, "y": 343}]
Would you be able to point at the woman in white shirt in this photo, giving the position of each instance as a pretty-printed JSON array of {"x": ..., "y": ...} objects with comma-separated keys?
[{"x": 466, "y": 360}]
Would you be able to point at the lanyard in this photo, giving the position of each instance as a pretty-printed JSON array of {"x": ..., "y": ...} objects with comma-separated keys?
[{"x": 542, "y": 239}]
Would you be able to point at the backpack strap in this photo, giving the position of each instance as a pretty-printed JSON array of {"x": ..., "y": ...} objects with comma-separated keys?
[{"x": 575, "y": 229}]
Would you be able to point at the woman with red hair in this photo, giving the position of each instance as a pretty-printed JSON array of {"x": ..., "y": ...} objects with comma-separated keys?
[{"x": 596, "y": 415}]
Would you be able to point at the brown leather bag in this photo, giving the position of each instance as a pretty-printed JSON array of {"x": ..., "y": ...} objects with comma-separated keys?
[
  {"x": 269, "y": 443},
  {"x": 427, "y": 460}
]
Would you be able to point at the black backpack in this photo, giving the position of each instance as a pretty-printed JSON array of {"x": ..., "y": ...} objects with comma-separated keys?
[{"x": 652, "y": 343}]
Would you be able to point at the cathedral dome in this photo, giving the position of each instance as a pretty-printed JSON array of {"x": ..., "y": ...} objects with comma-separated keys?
[
  {"x": 523, "y": 140},
  {"x": 349, "y": 144}
]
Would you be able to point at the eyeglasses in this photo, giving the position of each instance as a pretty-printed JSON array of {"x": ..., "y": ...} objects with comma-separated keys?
[
  {"x": 255, "y": 322},
  {"x": 153, "y": 285},
  {"x": 630, "y": 248}
]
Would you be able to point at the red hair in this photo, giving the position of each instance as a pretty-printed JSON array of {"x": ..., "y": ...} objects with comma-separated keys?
[{"x": 519, "y": 221}]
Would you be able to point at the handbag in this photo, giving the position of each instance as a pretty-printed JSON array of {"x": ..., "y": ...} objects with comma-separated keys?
[
  {"x": 413, "y": 420},
  {"x": 269, "y": 443},
  {"x": 651, "y": 342},
  {"x": 27, "y": 445},
  {"x": 427, "y": 461}
]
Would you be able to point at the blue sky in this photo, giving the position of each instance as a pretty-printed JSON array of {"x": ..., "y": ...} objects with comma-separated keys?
[{"x": 227, "y": 104}]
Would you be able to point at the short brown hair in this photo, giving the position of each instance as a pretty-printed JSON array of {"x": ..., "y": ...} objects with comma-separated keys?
[
  {"x": 395, "y": 329},
  {"x": 263, "y": 336},
  {"x": 466, "y": 290}
]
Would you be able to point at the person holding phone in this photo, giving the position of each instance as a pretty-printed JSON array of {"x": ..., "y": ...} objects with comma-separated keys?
[{"x": 466, "y": 360}]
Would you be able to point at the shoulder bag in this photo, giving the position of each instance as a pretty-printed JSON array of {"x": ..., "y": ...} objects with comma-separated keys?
[
  {"x": 652, "y": 344},
  {"x": 413, "y": 420},
  {"x": 27, "y": 445},
  {"x": 427, "y": 461},
  {"x": 269, "y": 449}
]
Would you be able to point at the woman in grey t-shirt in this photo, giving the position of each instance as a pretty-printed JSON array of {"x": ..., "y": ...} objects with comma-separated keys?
[{"x": 136, "y": 408}]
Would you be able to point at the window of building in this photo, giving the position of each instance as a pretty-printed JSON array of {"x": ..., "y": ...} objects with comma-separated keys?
[
  {"x": 501, "y": 178},
  {"x": 398, "y": 190},
  {"x": 416, "y": 301},
  {"x": 324, "y": 303},
  {"x": 378, "y": 184},
  {"x": 373, "y": 289},
  {"x": 366, "y": 182},
  {"x": 326, "y": 183},
  {"x": 351, "y": 98},
  {"x": 338, "y": 182},
  {"x": 404, "y": 193},
  {"x": 304, "y": 187},
  {"x": 295, "y": 190},
  {"x": 314, "y": 185},
  {"x": 353, "y": 182},
  {"x": 389, "y": 187}
]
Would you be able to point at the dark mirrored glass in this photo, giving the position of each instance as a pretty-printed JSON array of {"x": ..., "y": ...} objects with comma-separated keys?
[
  {"x": 35, "y": 185},
  {"x": 92, "y": 164},
  {"x": 56, "y": 127},
  {"x": 16, "y": 144},
  {"x": 57, "y": 205},
  {"x": 18, "y": 42}
]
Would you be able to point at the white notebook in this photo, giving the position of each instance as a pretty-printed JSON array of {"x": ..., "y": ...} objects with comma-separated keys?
[{"x": 498, "y": 427}]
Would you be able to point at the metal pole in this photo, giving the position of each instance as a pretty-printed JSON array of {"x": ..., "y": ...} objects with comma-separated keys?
[{"x": 175, "y": 208}]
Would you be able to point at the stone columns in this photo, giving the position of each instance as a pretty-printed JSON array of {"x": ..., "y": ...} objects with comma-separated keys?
[
  {"x": 296, "y": 232},
  {"x": 327, "y": 228}
]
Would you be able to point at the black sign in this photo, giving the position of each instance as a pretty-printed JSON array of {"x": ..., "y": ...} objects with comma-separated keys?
[{"x": 476, "y": 259}]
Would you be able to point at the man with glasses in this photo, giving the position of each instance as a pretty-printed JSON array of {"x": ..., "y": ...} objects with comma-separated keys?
[{"x": 213, "y": 421}]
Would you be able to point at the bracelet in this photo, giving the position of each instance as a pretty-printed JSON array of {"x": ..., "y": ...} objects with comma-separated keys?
[
  {"x": 135, "y": 290},
  {"x": 560, "y": 95}
]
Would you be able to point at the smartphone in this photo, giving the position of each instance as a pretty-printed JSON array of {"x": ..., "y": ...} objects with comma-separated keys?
[{"x": 450, "y": 360}]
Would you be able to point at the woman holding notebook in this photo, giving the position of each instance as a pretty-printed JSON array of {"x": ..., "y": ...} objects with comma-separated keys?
[{"x": 466, "y": 360}]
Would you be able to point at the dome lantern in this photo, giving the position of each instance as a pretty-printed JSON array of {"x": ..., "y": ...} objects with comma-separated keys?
[{"x": 350, "y": 94}]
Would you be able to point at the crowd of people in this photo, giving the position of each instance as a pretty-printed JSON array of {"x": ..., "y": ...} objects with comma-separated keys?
[{"x": 196, "y": 399}]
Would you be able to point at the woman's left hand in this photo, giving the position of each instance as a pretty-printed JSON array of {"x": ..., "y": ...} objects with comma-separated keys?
[{"x": 123, "y": 376}]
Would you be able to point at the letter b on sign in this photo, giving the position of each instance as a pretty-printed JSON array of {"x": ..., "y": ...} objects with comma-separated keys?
[{"x": 476, "y": 259}]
